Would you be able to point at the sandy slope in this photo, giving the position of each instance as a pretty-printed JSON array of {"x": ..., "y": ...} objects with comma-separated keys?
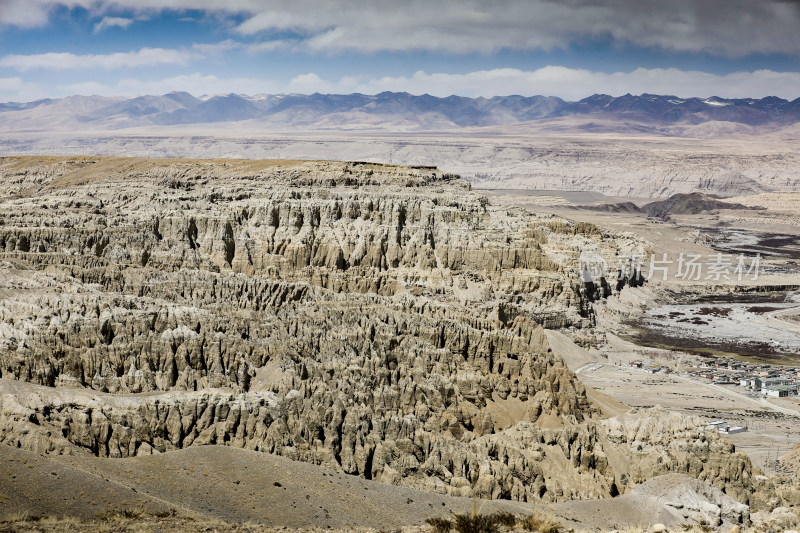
[
  {"x": 218, "y": 483},
  {"x": 36, "y": 485},
  {"x": 215, "y": 482}
]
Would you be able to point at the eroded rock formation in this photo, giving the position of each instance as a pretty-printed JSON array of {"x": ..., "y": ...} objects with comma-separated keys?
[{"x": 379, "y": 320}]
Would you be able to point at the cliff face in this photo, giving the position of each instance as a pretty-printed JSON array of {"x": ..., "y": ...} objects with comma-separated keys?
[{"x": 379, "y": 320}]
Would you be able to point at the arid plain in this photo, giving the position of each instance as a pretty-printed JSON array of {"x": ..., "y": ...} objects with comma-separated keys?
[{"x": 179, "y": 315}]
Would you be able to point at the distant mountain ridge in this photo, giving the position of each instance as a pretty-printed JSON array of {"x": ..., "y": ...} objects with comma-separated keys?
[{"x": 423, "y": 112}]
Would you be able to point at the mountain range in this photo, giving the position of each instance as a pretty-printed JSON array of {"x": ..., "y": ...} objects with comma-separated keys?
[{"x": 401, "y": 111}]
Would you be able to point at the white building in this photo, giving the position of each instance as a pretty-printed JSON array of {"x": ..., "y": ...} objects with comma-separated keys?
[
  {"x": 724, "y": 428},
  {"x": 779, "y": 391},
  {"x": 731, "y": 430}
]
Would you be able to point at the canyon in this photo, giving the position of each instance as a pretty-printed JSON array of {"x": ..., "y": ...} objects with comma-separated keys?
[{"x": 380, "y": 321}]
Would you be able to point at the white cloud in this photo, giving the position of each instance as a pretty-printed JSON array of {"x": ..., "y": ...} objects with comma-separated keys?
[
  {"x": 725, "y": 27},
  {"x": 23, "y": 13},
  {"x": 111, "y": 22},
  {"x": 312, "y": 83},
  {"x": 146, "y": 57},
  {"x": 567, "y": 83},
  {"x": 18, "y": 90},
  {"x": 270, "y": 46},
  {"x": 196, "y": 84},
  {"x": 216, "y": 48}
]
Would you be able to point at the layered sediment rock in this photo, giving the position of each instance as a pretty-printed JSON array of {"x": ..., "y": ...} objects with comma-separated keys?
[{"x": 382, "y": 321}]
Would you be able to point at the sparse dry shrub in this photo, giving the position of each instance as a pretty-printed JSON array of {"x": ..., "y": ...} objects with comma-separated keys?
[
  {"x": 474, "y": 523},
  {"x": 541, "y": 523},
  {"x": 505, "y": 519},
  {"x": 440, "y": 524},
  {"x": 131, "y": 513},
  {"x": 171, "y": 512}
]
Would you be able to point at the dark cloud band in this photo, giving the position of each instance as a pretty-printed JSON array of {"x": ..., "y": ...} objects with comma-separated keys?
[{"x": 723, "y": 27}]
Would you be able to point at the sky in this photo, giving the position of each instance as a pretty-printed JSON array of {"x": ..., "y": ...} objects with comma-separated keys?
[{"x": 568, "y": 48}]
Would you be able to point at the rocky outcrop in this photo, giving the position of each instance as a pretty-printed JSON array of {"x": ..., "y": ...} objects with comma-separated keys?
[
  {"x": 693, "y": 501},
  {"x": 526, "y": 462},
  {"x": 382, "y": 321},
  {"x": 643, "y": 444}
]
